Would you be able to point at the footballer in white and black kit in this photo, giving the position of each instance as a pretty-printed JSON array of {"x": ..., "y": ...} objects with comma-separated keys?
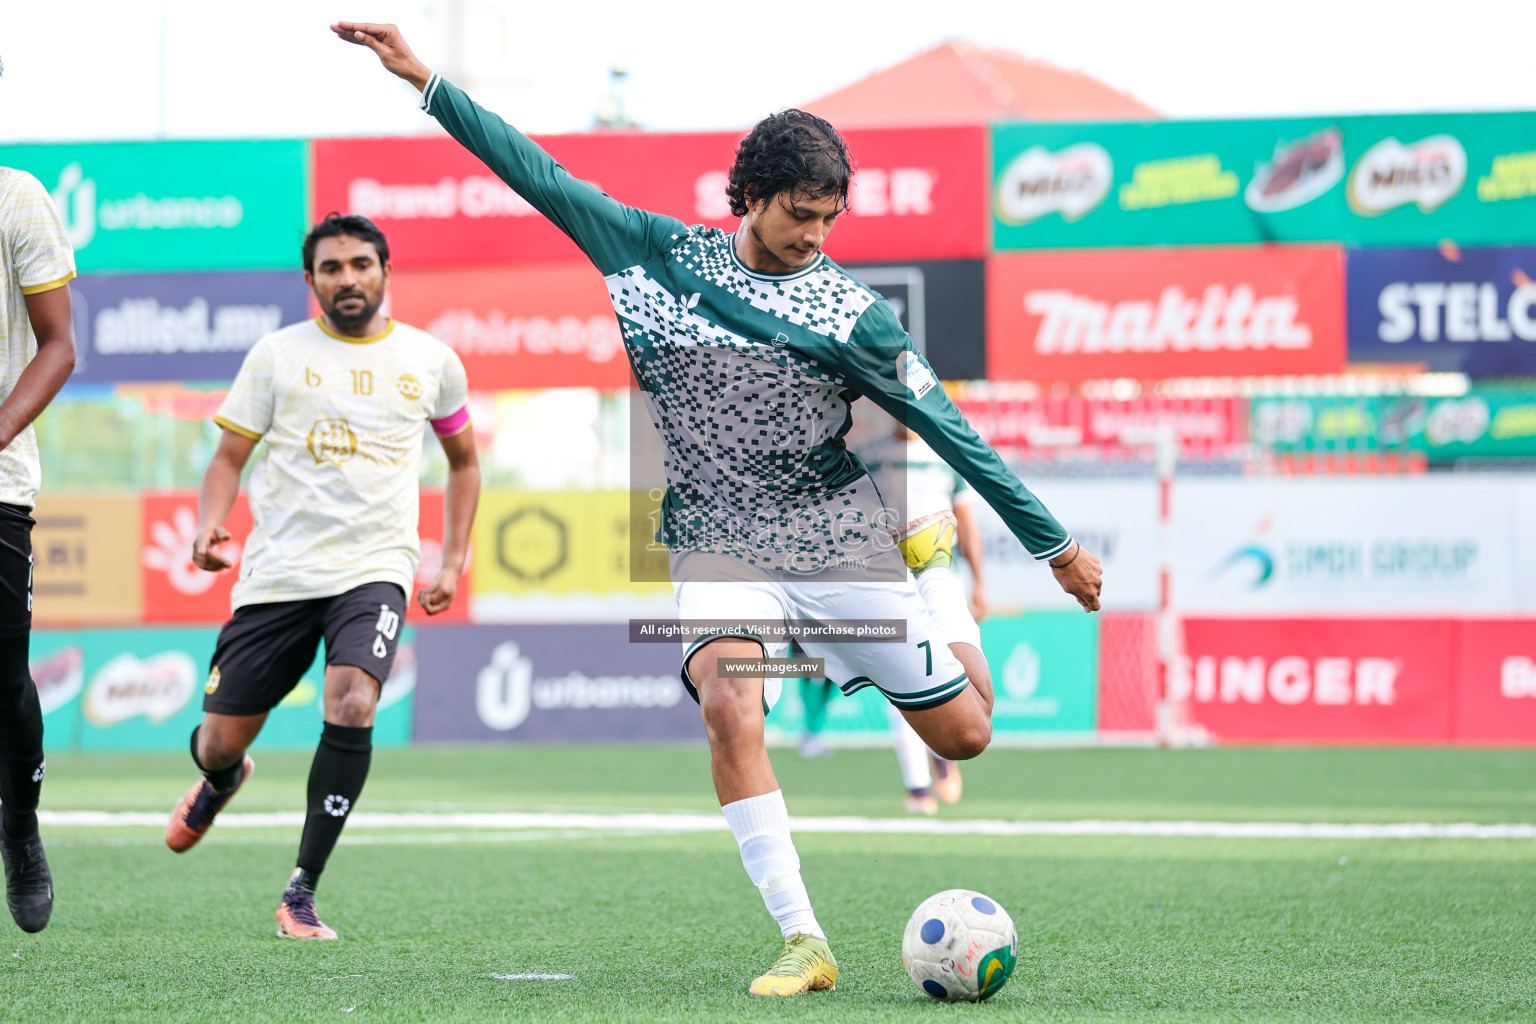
[
  {"x": 342, "y": 403},
  {"x": 37, "y": 354}
]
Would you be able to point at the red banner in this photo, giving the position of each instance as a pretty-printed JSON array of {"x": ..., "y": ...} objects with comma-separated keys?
[
  {"x": 430, "y": 529},
  {"x": 1200, "y": 424},
  {"x": 1149, "y": 314},
  {"x": 1496, "y": 682},
  {"x": 919, "y": 193},
  {"x": 175, "y": 590},
  {"x": 519, "y": 327},
  {"x": 1330, "y": 680}
]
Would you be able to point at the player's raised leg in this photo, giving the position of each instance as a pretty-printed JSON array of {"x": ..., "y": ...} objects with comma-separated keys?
[
  {"x": 218, "y": 749},
  {"x": 754, "y": 808}
]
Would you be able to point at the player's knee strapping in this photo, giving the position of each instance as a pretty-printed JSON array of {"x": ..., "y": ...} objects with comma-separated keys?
[
  {"x": 335, "y": 782},
  {"x": 21, "y": 740},
  {"x": 221, "y": 779}
]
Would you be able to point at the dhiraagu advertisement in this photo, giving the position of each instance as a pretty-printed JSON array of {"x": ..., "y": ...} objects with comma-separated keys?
[
  {"x": 143, "y": 690},
  {"x": 176, "y": 205}
]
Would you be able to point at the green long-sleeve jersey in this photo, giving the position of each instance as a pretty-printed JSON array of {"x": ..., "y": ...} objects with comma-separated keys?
[{"x": 748, "y": 376}]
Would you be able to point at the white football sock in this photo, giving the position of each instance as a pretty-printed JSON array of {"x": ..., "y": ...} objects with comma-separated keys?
[
  {"x": 911, "y": 751},
  {"x": 761, "y": 827},
  {"x": 944, "y": 595}
]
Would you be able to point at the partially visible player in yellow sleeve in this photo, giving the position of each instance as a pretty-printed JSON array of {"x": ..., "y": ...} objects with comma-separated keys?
[{"x": 37, "y": 354}]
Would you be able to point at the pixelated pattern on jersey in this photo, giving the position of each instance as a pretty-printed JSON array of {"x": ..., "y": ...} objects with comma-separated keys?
[
  {"x": 751, "y": 427},
  {"x": 824, "y": 300}
]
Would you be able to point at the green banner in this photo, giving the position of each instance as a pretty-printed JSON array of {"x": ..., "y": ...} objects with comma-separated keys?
[
  {"x": 1484, "y": 422},
  {"x": 1045, "y": 671},
  {"x": 57, "y": 661},
  {"x": 176, "y": 205},
  {"x": 1044, "y": 679},
  {"x": 143, "y": 690},
  {"x": 1418, "y": 179}
]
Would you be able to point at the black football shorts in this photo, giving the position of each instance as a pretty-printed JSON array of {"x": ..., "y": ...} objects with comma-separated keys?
[
  {"x": 15, "y": 570},
  {"x": 264, "y": 649}
]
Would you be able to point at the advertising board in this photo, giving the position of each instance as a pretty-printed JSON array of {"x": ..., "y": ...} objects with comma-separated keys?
[
  {"x": 194, "y": 205},
  {"x": 1318, "y": 680},
  {"x": 133, "y": 327},
  {"x": 1361, "y": 546},
  {"x": 918, "y": 194},
  {"x": 1147, "y": 314},
  {"x": 551, "y": 684}
]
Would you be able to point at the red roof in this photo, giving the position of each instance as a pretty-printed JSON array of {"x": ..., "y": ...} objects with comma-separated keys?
[{"x": 958, "y": 83}]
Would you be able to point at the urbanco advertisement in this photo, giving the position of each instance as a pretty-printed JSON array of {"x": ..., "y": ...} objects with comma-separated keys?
[
  {"x": 551, "y": 684},
  {"x": 176, "y": 205}
]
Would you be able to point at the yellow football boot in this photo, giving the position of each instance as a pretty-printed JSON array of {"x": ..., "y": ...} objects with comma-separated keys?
[
  {"x": 929, "y": 541},
  {"x": 806, "y": 965}
]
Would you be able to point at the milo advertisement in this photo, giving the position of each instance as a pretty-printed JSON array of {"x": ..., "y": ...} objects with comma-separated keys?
[
  {"x": 142, "y": 689},
  {"x": 1371, "y": 180},
  {"x": 176, "y": 205}
]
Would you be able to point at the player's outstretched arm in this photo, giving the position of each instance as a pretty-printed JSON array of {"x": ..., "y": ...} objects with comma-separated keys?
[
  {"x": 882, "y": 365},
  {"x": 221, "y": 486},
  {"x": 613, "y": 236},
  {"x": 460, "y": 499}
]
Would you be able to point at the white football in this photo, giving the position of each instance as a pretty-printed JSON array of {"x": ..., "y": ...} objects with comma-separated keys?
[{"x": 960, "y": 946}]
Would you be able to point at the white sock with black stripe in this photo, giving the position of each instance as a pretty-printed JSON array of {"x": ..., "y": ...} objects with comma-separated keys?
[{"x": 761, "y": 827}]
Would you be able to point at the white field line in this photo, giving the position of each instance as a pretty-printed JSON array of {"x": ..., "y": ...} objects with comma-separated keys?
[
  {"x": 533, "y": 977},
  {"x": 646, "y": 823}
]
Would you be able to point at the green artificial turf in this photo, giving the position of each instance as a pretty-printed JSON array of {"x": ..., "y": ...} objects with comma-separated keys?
[{"x": 667, "y": 927}]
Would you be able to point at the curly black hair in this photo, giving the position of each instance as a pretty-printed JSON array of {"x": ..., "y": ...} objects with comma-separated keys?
[
  {"x": 790, "y": 151},
  {"x": 337, "y": 224}
]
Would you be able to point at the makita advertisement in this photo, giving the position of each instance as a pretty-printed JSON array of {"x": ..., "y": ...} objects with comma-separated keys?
[
  {"x": 1330, "y": 680},
  {"x": 1148, "y": 315},
  {"x": 919, "y": 194},
  {"x": 1364, "y": 545},
  {"x": 1466, "y": 310},
  {"x": 517, "y": 684},
  {"x": 197, "y": 327}
]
